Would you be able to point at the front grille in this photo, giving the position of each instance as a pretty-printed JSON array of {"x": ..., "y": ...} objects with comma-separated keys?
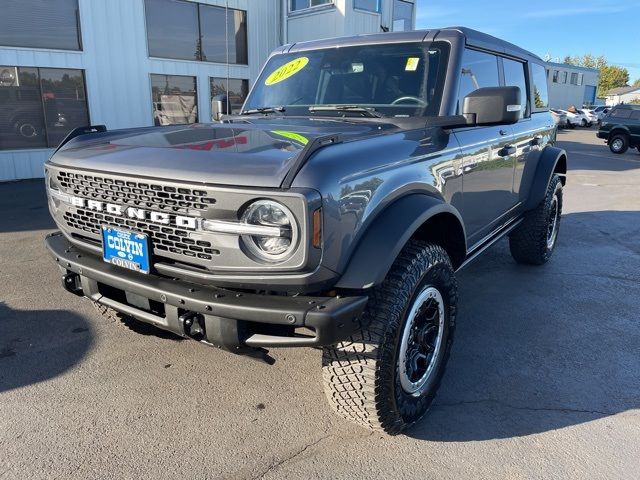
[
  {"x": 141, "y": 194},
  {"x": 163, "y": 238},
  {"x": 166, "y": 241}
]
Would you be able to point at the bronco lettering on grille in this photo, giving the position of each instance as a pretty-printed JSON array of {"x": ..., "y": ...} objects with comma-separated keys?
[{"x": 136, "y": 213}]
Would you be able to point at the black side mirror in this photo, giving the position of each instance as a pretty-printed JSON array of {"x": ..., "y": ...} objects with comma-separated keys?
[{"x": 493, "y": 106}]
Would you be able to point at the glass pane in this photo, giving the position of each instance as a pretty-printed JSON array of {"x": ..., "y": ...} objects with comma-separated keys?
[
  {"x": 172, "y": 29},
  {"x": 479, "y": 70},
  {"x": 394, "y": 79},
  {"x": 238, "y": 37},
  {"x": 302, "y": 4},
  {"x": 21, "y": 119},
  {"x": 174, "y": 99},
  {"x": 238, "y": 90},
  {"x": 64, "y": 100},
  {"x": 540, "y": 94},
  {"x": 514, "y": 77},
  {"x": 369, "y": 5},
  {"x": 402, "y": 16},
  {"x": 212, "y": 26},
  {"x": 40, "y": 24},
  {"x": 213, "y": 31}
]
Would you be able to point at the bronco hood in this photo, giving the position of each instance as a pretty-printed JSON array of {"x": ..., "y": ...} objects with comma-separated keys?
[{"x": 256, "y": 153}]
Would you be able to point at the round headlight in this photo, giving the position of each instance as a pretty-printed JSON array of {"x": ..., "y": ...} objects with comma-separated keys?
[{"x": 274, "y": 247}]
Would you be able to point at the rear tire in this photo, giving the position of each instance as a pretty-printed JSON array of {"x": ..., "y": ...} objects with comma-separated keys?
[
  {"x": 534, "y": 240},
  {"x": 386, "y": 375},
  {"x": 619, "y": 143}
]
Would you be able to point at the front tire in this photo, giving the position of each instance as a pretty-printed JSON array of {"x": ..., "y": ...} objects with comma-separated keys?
[
  {"x": 619, "y": 144},
  {"x": 386, "y": 375},
  {"x": 534, "y": 240}
]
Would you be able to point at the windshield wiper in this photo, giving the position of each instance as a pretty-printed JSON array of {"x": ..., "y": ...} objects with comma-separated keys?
[
  {"x": 368, "y": 111},
  {"x": 253, "y": 111}
]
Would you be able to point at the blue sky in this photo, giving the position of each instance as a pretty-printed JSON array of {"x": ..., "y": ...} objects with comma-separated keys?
[{"x": 554, "y": 27}]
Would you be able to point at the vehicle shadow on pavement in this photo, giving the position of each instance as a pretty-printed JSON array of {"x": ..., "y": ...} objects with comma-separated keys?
[
  {"x": 542, "y": 348},
  {"x": 23, "y": 206},
  {"x": 599, "y": 157},
  {"x": 37, "y": 345}
]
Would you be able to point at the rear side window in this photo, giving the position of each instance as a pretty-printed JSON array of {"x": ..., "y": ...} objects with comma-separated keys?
[
  {"x": 620, "y": 113},
  {"x": 540, "y": 93},
  {"x": 635, "y": 114},
  {"x": 514, "y": 76},
  {"x": 479, "y": 70}
]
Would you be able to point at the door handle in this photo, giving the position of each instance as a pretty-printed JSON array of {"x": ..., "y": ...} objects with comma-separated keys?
[
  {"x": 507, "y": 150},
  {"x": 503, "y": 132}
]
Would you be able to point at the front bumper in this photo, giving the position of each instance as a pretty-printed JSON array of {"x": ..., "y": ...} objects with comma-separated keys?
[
  {"x": 227, "y": 319},
  {"x": 602, "y": 134}
]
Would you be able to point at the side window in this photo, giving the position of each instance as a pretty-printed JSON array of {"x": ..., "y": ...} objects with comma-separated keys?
[
  {"x": 620, "y": 113},
  {"x": 479, "y": 70},
  {"x": 635, "y": 115},
  {"x": 540, "y": 93},
  {"x": 514, "y": 76}
]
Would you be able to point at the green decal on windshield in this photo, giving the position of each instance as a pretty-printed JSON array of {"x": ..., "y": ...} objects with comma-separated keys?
[
  {"x": 296, "y": 137},
  {"x": 287, "y": 70}
]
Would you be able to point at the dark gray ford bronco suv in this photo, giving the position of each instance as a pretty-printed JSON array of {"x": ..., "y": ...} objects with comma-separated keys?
[{"x": 332, "y": 212}]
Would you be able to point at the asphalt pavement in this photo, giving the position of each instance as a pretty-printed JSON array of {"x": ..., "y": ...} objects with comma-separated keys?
[{"x": 543, "y": 381}]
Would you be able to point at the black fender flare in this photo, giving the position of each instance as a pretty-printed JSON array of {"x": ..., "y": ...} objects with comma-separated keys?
[
  {"x": 550, "y": 161},
  {"x": 387, "y": 235}
]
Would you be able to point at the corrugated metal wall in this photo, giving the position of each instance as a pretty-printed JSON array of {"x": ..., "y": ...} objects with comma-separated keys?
[{"x": 117, "y": 67}]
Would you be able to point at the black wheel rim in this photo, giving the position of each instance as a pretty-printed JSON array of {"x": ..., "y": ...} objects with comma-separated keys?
[{"x": 421, "y": 341}]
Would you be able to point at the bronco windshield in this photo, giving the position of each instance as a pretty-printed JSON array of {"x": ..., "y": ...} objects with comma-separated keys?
[{"x": 392, "y": 80}]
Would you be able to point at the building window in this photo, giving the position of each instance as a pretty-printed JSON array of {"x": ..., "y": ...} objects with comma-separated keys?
[
  {"x": 368, "y": 5},
  {"x": 213, "y": 30},
  {"x": 192, "y": 31},
  {"x": 234, "y": 98},
  {"x": 174, "y": 99},
  {"x": 514, "y": 76},
  {"x": 402, "y": 16},
  {"x": 540, "y": 91},
  {"x": 296, "y": 5},
  {"x": 574, "y": 79},
  {"x": 52, "y": 24},
  {"x": 580, "y": 78},
  {"x": 564, "y": 77},
  {"x": 555, "y": 76},
  {"x": 39, "y": 106}
]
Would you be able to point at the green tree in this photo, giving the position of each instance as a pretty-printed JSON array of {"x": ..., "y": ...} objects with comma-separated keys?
[
  {"x": 636, "y": 83},
  {"x": 612, "y": 77}
]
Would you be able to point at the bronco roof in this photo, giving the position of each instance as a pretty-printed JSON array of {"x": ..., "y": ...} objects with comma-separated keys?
[{"x": 469, "y": 36}]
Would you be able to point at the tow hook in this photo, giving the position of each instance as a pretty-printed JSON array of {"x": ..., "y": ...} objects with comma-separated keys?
[
  {"x": 193, "y": 325},
  {"x": 71, "y": 283}
]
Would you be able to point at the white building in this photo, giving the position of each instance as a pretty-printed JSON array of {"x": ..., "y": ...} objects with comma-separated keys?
[
  {"x": 616, "y": 96},
  {"x": 571, "y": 85},
  {"x": 128, "y": 63}
]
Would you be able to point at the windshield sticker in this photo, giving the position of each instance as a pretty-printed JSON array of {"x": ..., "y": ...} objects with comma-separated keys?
[
  {"x": 296, "y": 137},
  {"x": 287, "y": 70},
  {"x": 412, "y": 64}
]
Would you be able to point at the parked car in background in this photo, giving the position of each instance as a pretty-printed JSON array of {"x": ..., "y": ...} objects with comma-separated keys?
[
  {"x": 621, "y": 128},
  {"x": 589, "y": 119},
  {"x": 601, "y": 111},
  {"x": 559, "y": 118},
  {"x": 573, "y": 119}
]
